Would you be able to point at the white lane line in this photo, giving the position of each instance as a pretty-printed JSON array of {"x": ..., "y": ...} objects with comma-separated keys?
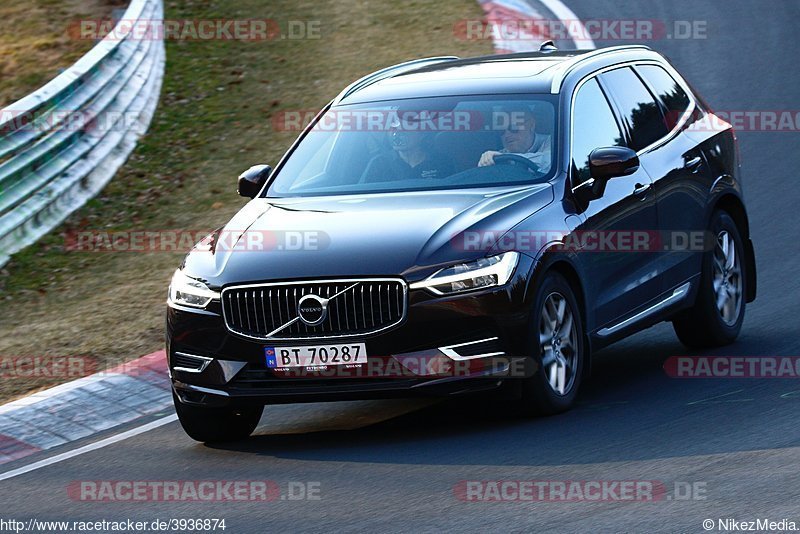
[
  {"x": 566, "y": 15},
  {"x": 89, "y": 448},
  {"x": 713, "y": 400}
]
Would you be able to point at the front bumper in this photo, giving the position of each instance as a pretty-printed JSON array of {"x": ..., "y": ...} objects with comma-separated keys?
[{"x": 403, "y": 361}]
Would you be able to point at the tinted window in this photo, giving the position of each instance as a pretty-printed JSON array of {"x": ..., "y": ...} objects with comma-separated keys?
[
  {"x": 637, "y": 106},
  {"x": 421, "y": 144},
  {"x": 672, "y": 95},
  {"x": 593, "y": 126}
]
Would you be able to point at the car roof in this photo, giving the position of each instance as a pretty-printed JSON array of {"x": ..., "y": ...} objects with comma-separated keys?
[{"x": 527, "y": 72}]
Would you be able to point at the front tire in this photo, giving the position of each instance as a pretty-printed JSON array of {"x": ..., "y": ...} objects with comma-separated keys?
[
  {"x": 717, "y": 316},
  {"x": 558, "y": 347},
  {"x": 210, "y": 425}
]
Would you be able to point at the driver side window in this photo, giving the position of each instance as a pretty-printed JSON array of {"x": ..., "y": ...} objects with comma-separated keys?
[{"x": 593, "y": 126}]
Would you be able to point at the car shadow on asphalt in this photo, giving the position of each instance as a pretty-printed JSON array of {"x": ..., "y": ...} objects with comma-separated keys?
[{"x": 629, "y": 410}]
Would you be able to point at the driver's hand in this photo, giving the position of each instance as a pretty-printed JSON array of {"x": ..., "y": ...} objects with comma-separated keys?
[{"x": 487, "y": 158}]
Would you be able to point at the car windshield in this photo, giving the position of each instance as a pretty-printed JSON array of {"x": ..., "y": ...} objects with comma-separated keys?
[{"x": 419, "y": 144}]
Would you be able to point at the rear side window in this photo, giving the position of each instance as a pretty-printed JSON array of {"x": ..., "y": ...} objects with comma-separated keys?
[
  {"x": 637, "y": 106},
  {"x": 593, "y": 126},
  {"x": 672, "y": 95}
]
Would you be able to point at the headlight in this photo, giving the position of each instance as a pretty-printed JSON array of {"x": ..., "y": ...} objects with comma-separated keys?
[
  {"x": 187, "y": 291},
  {"x": 486, "y": 272}
]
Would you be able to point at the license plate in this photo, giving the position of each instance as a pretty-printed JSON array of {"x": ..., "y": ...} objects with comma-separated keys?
[{"x": 315, "y": 355}]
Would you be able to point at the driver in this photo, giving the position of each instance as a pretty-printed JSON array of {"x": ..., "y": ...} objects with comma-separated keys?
[
  {"x": 520, "y": 138},
  {"x": 410, "y": 159}
]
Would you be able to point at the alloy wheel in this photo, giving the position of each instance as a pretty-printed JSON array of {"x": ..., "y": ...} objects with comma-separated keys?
[
  {"x": 727, "y": 278},
  {"x": 558, "y": 339}
]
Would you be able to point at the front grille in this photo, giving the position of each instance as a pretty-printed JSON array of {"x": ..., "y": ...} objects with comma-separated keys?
[{"x": 369, "y": 306}]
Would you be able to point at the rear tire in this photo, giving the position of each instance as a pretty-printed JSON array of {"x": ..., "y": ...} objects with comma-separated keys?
[
  {"x": 717, "y": 315},
  {"x": 558, "y": 348},
  {"x": 217, "y": 424}
]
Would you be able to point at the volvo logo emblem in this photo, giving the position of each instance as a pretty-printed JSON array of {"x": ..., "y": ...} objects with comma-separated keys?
[{"x": 312, "y": 310}]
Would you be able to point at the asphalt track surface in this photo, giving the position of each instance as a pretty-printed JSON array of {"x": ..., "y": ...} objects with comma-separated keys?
[{"x": 393, "y": 465}]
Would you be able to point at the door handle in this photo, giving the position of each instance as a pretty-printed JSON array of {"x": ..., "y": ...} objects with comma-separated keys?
[
  {"x": 641, "y": 190},
  {"x": 693, "y": 163}
]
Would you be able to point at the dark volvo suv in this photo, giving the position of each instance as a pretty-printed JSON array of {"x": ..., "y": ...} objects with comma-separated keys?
[{"x": 451, "y": 225}]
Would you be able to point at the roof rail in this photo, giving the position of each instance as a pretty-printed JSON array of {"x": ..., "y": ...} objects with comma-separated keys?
[
  {"x": 548, "y": 46},
  {"x": 562, "y": 69},
  {"x": 389, "y": 72}
]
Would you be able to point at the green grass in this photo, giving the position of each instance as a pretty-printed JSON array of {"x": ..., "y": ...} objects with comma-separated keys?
[
  {"x": 35, "y": 42},
  {"x": 213, "y": 121}
]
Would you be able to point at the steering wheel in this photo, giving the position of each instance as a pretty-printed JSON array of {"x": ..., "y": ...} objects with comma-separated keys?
[{"x": 516, "y": 159}]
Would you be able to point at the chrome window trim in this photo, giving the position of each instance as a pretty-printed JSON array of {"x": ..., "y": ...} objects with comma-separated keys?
[
  {"x": 563, "y": 69},
  {"x": 402, "y": 282},
  {"x": 633, "y": 63}
]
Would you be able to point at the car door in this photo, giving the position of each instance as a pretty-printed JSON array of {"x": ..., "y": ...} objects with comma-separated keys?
[
  {"x": 681, "y": 178},
  {"x": 621, "y": 278}
]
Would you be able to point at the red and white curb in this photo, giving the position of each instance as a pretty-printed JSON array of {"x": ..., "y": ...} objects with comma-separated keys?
[
  {"x": 507, "y": 14},
  {"x": 84, "y": 407}
]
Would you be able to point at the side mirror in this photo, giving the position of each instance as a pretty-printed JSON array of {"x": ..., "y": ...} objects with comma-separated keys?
[
  {"x": 605, "y": 164},
  {"x": 252, "y": 180},
  {"x": 612, "y": 162}
]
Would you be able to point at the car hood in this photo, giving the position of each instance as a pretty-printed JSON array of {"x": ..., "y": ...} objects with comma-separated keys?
[{"x": 407, "y": 234}]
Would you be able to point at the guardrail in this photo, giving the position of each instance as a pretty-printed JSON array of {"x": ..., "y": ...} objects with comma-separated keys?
[{"x": 60, "y": 145}]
